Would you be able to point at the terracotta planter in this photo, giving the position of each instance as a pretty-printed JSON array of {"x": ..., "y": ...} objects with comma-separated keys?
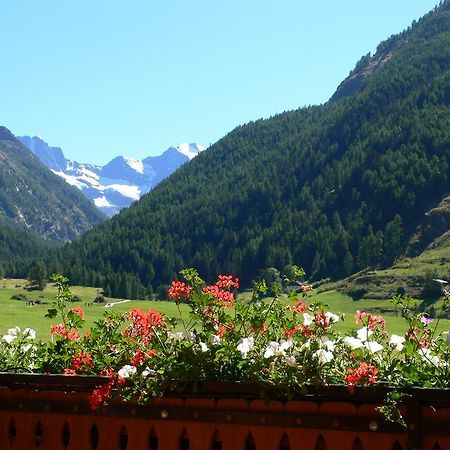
[{"x": 51, "y": 412}]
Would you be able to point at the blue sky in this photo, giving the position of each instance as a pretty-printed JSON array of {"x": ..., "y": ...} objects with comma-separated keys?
[{"x": 102, "y": 78}]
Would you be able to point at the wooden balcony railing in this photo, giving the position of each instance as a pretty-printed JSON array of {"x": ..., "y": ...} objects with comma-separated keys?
[{"x": 51, "y": 412}]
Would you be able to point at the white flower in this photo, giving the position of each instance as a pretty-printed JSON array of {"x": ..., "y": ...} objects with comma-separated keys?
[
  {"x": 353, "y": 342},
  {"x": 277, "y": 348},
  {"x": 327, "y": 343},
  {"x": 397, "y": 342},
  {"x": 373, "y": 346},
  {"x": 14, "y": 331},
  {"x": 364, "y": 333},
  {"x": 27, "y": 347},
  {"x": 29, "y": 333},
  {"x": 323, "y": 356},
  {"x": 307, "y": 319},
  {"x": 204, "y": 347},
  {"x": 333, "y": 318},
  {"x": 147, "y": 371},
  {"x": 9, "y": 338},
  {"x": 429, "y": 358},
  {"x": 127, "y": 371},
  {"x": 215, "y": 340},
  {"x": 245, "y": 345}
]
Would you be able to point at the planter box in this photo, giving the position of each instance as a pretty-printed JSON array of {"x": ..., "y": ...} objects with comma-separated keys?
[{"x": 51, "y": 412}]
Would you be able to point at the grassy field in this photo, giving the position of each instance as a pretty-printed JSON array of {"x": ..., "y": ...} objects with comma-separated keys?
[{"x": 17, "y": 312}]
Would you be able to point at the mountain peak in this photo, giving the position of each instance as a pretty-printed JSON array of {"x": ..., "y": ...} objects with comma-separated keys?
[
  {"x": 189, "y": 150},
  {"x": 121, "y": 181}
]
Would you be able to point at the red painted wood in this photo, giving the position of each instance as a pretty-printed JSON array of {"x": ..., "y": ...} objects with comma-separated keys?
[{"x": 310, "y": 424}]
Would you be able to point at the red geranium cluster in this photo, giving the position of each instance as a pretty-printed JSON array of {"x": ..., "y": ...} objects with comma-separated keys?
[
  {"x": 221, "y": 290},
  {"x": 370, "y": 320},
  {"x": 139, "y": 357},
  {"x": 364, "y": 374},
  {"x": 179, "y": 290},
  {"x": 143, "y": 324},
  {"x": 70, "y": 334},
  {"x": 78, "y": 310},
  {"x": 103, "y": 393},
  {"x": 82, "y": 361},
  {"x": 299, "y": 307},
  {"x": 304, "y": 330}
]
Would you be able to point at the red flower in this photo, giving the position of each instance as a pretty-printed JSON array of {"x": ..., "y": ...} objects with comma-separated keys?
[
  {"x": 143, "y": 324},
  {"x": 70, "y": 334},
  {"x": 100, "y": 395},
  {"x": 298, "y": 307},
  {"x": 227, "y": 282},
  {"x": 179, "y": 290},
  {"x": 224, "y": 296},
  {"x": 82, "y": 361},
  {"x": 78, "y": 311},
  {"x": 370, "y": 320},
  {"x": 364, "y": 374},
  {"x": 322, "y": 320},
  {"x": 139, "y": 357},
  {"x": 69, "y": 372}
]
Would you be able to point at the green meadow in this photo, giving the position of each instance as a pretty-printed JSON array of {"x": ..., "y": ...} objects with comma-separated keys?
[{"x": 31, "y": 313}]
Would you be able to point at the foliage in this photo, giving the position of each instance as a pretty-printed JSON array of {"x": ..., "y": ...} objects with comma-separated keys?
[{"x": 283, "y": 347}]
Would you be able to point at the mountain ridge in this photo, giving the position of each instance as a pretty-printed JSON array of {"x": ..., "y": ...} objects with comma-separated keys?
[
  {"x": 32, "y": 196},
  {"x": 118, "y": 183}
]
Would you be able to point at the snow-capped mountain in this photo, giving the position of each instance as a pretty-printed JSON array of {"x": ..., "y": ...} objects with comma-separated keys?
[{"x": 120, "y": 182}]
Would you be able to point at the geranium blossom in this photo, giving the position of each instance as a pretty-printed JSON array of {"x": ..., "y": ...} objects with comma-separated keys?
[
  {"x": 373, "y": 346},
  {"x": 397, "y": 342},
  {"x": 323, "y": 356},
  {"x": 277, "y": 348},
  {"x": 364, "y": 374},
  {"x": 127, "y": 371},
  {"x": 308, "y": 319},
  {"x": 179, "y": 290},
  {"x": 353, "y": 342},
  {"x": 245, "y": 345},
  {"x": 364, "y": 333}
]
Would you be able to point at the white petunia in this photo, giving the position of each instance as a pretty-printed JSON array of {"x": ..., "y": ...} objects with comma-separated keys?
[
  {"x": 429, "y": 358},
  {"x": 307, "y": 319},
  {"x": 364, "y": 333},
  {"x": 327, "y": 343},
  {"x": 9, "y": 338},
  {"x": 29, "y": 333},
  {"x": 147, "y": 371},
  {"x": 14, "y": 331},
  {"x": 245, "y": 345},
  {"x": 323, "y": 356},
  {"x": 373, "y": 346},
  {"x": 397, "y": 342},
  {"x": 27, "y": 347},
  {"x": 353, "y": 342},
  {"x": 204, "y": 347},
  {"x": 277, "y": 348},
  {"x": 127, "y": 371},
  {"x": 333, "y": 318},
  {"x": 215, "y": 340}
]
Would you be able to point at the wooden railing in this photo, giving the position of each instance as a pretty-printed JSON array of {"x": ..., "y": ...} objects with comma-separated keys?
[{"x": 52, "y": 413}]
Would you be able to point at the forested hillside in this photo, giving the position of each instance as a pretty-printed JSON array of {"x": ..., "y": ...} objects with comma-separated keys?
[
  {"x": 334, "y": 188},
  {"x": 34, "y": 198}
]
